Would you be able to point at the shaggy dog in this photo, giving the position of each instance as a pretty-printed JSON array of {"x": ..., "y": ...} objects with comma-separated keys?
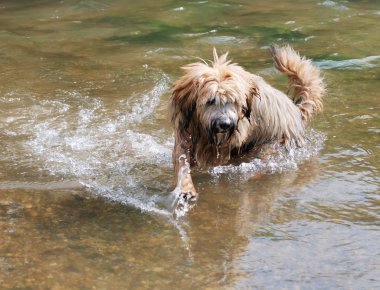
[{"x": 220, "y": 110}]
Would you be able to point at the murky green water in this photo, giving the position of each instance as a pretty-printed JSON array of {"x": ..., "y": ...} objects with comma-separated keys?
[{"x": 85, "y": 150}]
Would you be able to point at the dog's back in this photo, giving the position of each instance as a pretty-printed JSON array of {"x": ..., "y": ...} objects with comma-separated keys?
[{"x": 305, "y": 80}]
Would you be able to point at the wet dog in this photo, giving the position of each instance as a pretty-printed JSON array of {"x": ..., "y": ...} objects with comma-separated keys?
[{"x": 219, "y": 110}]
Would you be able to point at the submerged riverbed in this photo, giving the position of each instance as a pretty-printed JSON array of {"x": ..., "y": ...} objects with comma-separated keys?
[{"x": 85, "y": 149}]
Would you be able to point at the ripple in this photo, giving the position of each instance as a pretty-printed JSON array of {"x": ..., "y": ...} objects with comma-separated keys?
[
  {"x": 221, "y": 39},
  {"x": 52, "y": 185},
  {"x": 353, "y": 64},
  {"x": 361, "y": 117},
  {"x": 307, "y": 254}
]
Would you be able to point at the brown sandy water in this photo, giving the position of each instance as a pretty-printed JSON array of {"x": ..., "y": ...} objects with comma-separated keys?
[{"x": 85, "y": 150}]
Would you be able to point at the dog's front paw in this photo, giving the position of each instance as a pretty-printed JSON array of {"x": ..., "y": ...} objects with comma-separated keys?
[
  {"x": 189, "y": 196},
  {"x": 185, "y": 182},
  {"x": 184, "y": 203}
]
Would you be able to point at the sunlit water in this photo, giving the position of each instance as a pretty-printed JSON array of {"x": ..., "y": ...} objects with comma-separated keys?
[{"x": 86, "y": 175}]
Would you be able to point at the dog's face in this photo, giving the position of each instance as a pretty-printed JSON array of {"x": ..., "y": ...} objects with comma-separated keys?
[
  {"x": 209, "y": 102},
  {"x": 219, "y": 111}
]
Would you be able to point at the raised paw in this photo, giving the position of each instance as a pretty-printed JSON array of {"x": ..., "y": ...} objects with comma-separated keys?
[{"x": 188, "y": 196}]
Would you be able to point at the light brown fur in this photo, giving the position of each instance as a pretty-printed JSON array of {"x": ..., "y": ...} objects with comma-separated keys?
[{"x": 260, "y": 113}]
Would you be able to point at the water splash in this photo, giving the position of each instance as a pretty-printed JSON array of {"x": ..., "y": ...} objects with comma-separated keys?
[
  {"x": 281, "y": 161},
  {"x": 141, "y": 106},
  {"x": 75, "y": 136}
]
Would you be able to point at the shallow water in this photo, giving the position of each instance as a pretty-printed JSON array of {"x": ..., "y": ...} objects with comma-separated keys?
[{"x": 85, "y": 150}]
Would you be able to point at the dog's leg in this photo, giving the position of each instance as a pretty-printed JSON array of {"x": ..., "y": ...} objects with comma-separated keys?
[{"x": 185, "y": 185}]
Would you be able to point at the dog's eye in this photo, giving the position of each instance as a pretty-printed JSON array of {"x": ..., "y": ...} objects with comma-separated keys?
[{"x": 210, "y": 102}]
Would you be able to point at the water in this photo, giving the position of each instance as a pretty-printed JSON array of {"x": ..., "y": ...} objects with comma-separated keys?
[{"x": 85, "y": 150}]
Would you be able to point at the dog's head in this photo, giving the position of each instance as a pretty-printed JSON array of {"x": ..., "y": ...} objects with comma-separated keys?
[{"x": 209, "y": 101}]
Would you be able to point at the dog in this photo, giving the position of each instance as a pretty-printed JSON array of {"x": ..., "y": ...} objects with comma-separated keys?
[{"x": 219, "y": 111}]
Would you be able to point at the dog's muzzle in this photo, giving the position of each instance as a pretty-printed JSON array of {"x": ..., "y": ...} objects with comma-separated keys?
[{"x": 222, "y": 127}]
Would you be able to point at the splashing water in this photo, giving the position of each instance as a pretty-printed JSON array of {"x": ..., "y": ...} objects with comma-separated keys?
[
  {"x": 281, "y": 161},
  {"x": 72, "y": 135}
]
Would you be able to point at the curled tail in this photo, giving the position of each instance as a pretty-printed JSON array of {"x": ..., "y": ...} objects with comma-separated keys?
[{"x": 305, "y": 80}]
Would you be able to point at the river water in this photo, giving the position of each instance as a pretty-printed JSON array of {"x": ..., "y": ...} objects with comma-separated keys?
[{"x": 85, "y": 149}]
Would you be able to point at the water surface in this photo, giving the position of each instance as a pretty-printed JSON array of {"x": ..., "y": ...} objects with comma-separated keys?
[{"x": 85, "y": 150}]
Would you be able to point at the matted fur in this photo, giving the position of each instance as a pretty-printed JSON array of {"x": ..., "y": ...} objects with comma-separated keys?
[{"x": 260, "y": 113}]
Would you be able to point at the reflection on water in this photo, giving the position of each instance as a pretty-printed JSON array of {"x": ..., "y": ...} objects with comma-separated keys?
[{"x": 85, "y": 150}]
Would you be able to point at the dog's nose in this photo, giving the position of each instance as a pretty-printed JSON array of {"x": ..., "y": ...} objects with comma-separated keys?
[{"x": 223, "y": 125}]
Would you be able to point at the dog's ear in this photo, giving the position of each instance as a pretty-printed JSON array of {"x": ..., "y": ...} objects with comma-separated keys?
[
  {"x": 182, "y": 105},
  {"x": 249, "y": 100},
  {"x": 249, "y": 108},
  {"x": 182, "y": 113},
  {"x": 184, "y": 98},
  {"x": 254, "y": 92}
]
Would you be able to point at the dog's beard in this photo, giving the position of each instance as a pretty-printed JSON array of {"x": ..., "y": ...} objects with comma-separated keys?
[
  {"x": 221, "y": 139},
  {"x": 222, "y": 146}
]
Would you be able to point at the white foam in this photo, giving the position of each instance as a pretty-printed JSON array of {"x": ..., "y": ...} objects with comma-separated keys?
[
  {"x": 334, "y": 5},
  {"x": 277, "y": 163},
  {"x": 76, "y": 136},
  {"x": 140, "y": 106}
]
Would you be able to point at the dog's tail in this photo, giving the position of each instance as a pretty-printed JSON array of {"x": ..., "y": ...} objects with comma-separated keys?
[{"x": 305, "y": 80}]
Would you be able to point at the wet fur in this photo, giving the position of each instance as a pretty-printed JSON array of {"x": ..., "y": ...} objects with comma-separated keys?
[{"x": 262, "y": 114}]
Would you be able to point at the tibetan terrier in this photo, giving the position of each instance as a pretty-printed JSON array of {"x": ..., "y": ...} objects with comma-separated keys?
[{"x": 219, "y": 110}]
